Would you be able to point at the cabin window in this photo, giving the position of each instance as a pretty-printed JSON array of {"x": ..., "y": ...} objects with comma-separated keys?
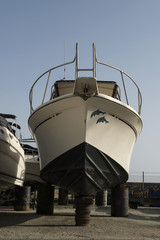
[
  {"x": 1, "y": 130},
  {"x": 10, "y": 136}
]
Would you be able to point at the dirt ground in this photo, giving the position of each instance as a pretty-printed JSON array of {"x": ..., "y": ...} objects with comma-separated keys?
[{"x": 142, "y": 223}]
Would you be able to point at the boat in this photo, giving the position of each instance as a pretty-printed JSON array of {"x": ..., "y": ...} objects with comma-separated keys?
[
  {"x": 85, "y": 128},
  {"x": 32, "y": 163},
  {"x": 12, "y": 165}
]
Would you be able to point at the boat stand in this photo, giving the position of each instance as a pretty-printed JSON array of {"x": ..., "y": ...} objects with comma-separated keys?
[
  {"x": 119, "y": 201},
  {"x": 83, "y": 209},
  {"x": 45, "y": 199},
  {"x": 22, "y": 198}
]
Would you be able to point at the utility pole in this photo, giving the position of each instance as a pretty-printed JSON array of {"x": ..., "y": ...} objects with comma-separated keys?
[{"x": 143, "y": 182}]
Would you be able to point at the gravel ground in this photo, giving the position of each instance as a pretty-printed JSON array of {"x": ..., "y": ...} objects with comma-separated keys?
[{"x": 142, "y": 223}]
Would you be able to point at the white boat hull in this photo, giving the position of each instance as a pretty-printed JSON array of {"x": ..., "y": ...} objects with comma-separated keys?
[
  {"x": 104, "y": 128},
  {"x": 32, "y": 173},
  {"x": 12, "y": 166}
]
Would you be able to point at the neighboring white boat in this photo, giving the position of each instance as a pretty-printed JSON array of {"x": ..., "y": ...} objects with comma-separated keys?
[
  {"x": 12, "y": 166},
  {"x": 32, "y": 173},
  {"x": 85, "y": 133}
]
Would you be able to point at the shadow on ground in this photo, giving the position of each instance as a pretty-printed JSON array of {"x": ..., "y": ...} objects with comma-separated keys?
[
  {"x": 15, "y": 218},
  {"x": 145, "y": 213},
  {"x": 67, "y": 219}
]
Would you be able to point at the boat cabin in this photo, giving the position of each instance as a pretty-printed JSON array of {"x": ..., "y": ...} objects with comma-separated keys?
[
  {"x": 7, "y": 124},
  {"x": 63, "y": 87}
]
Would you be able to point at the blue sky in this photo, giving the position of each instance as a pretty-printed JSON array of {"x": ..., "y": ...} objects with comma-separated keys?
[{"x": 126, "y": 34}]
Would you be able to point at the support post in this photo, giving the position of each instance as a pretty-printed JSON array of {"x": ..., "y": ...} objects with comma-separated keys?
[
  {"x": 45, "y": 199},
  {"x": 119, "y": 201},
  {"x": 83, "y": 209},
  {"x": 101, "y": 198},
  {"x": 63, "y": 197},
  {"x": 22, "y": 198}
]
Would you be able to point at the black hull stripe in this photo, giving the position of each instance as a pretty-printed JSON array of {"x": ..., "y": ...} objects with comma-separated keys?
[{"x": 84, "y": 170}]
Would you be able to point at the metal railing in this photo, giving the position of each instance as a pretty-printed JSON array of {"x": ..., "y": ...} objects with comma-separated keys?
[
  {"x": 144, "y": 177},
  {"x": 77, "y": 70}
]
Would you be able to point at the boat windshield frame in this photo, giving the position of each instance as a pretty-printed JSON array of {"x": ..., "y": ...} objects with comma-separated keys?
[{"x": 77, "y": 70}]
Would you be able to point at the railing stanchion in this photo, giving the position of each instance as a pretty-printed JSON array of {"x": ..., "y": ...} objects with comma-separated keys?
[
  {"x": 124, "y": 87},
  {"x": 46, "y": 86},
  {"x": 94, "y": 61},
  {"x": 76, "y": 62}
]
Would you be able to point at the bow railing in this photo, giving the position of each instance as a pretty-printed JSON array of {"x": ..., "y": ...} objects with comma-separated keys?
[{"x": 93, "y": 70}]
